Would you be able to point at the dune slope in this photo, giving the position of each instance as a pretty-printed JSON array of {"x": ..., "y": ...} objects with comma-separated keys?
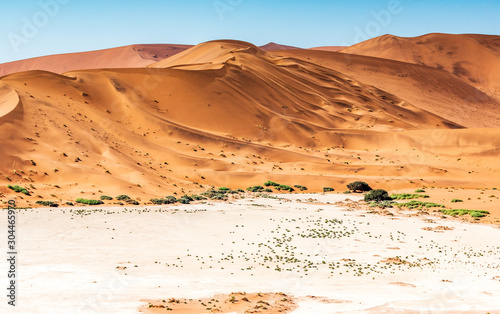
[
  {"x": 224, "y": 113},
  {"x": 474, "y": 58}
]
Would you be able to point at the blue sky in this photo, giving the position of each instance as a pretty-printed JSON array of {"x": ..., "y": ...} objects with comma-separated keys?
[{"x": 36, "y": 28}]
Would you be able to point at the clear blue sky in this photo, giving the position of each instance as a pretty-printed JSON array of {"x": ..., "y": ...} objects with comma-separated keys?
[{"x": 30, "y": 29}]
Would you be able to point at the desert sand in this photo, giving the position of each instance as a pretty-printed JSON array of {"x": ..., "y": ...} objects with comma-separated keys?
[{"x": 147, "y": 121}]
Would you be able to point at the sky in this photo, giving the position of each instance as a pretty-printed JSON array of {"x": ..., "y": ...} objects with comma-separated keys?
[{"x": 33, "y": 28}]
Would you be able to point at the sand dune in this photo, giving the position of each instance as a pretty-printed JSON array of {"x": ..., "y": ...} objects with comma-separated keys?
[
  {"x": 227, "y": 113},
  {"x": 133, "y": 56},
  {"x": 122, "y": 57},
  {"x": 328, "y": 48},
  {"x": 474, "y": 58},
  {"x": 430, "y": 89}
]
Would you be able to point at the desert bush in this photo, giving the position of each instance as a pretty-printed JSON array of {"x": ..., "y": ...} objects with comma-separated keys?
[
  {"x": 359, "y": 186},
  {"x": 300, "y": 187},
  {"x": 70, "y": 204},
  {"x": 239, "y": 191},
  {"x": 328, "y": 189},
  {"x": 267, "y": 190},
  {"x": 88, "y": 202},
  {"x": 157, "y": 201},
  {"x": 406, "y": 196},
  {"x": 223, "y": 188},
  {"x": 18, "y": 189},
  {"x": 461, "y": 212},
  {"x": 47, "y": 203},
  {"x": 419, "y": 191},
  {"x": 198, "y": 198},
  {"x": 106, "y": 198},
  {"x": 123, "y": 197},
  {"x": 456, "y": 200},
  {"x": 377, "y": 196},
  {"x": 256, "y": 188},
  {"x": 271, "y": 183},
  {"x": 418, "y": 205},
  {"x": 283, "y": 187}
]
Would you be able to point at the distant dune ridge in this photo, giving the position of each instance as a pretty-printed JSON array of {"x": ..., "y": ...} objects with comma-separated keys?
[{"x": 176, "y": 119}]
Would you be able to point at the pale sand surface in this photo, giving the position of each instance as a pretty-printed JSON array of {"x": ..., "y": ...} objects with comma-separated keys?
[{"x": 70, "y": 263}]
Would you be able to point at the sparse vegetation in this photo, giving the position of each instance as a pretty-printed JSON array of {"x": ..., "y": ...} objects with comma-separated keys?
[
  {"x": 18, "y": 189},
  {"x": 328, "y": 189},
  {"x": 406, "y": 196},
  {"x": 456, "y": 200},
  {"x": 256, "y": 188},
  {"x": 461, "y": 212},
  {"x": 419, "y": 191},
  {"x": 377, "y": 196},
  {"x": 300, "y": 187},
  {"x": 106, "y": 198},
  {"x": 418, "y": 205},
  {"x": 123, "y": 197},
  {"x": 359, "y": 186},
  {"x": 89, "y": 202},
  {"x": 47, "y": 203}
]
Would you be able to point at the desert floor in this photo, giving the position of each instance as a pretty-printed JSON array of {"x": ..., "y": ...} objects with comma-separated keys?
[{"x": 297, "y": 253}]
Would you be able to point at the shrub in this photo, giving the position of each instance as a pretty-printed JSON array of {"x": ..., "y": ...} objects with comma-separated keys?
[
  {"x": 328, "y": 189},
  {"x": 106, "y": 198},
  {"x": 215, "y": 195},
  {"x": 456, "y": 200},
  {"x": 133, "y": 202},
  {"x": 271, "y": 183},
  {"x": 47, "y": 203},
  {"x": 224, "y": 189},
  {"x": 169, "y": 199},
  {"x": 198, "y": 198},
  {"x": 419, "y": 191},
  {"x": 157, "y": 201},
  {"x": 418, "y": 205},
  {"x": 89, "y": 202},
  {"x": 183, "y": 200},
  {"x": 70, "y": 204},
  {"x": 239, "y": 191},
  {"x": 123, "y": 197},
  {"x": 406, "y": 196},
  {"x": 18, "y": 189},
  {"x": 284, "y": 188},
  {"x": 256, "y": 188},
  {"x": 383, "y": 204},
  {"x": 300, "y": 187},
  {"x": 377, "y": 196},
  {"x": 267, "y": 190},
  {"x": 461, "y": 212},
  {"x": 359, "y": 186}
]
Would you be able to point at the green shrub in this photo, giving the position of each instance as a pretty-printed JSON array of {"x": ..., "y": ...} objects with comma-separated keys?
[
  {"x": 256, "y": 188},
  {"x": 418, "y": 205},
  {"x": 106, "y": 198},
  {"x": 456, "y": 200},
  {"x": 133, "y": 202},
  {"x": 419, "y": 191},
  {"x": 198, "y": 198},
  {"x": 300, "y": 187},
  {"x": 47, "y": 203},
  {"x": 383, "y": 204},
  {"x": 88, "y": 202},
  {"x": 267, "y": 190},
  {"x": 271, "y": 183},
  {"x": 461, "y": 212},
  {"x": 359, "y": 186},
  {"x": 224, "y": 189},
  {"x": 123, "y": 197},
  {"x": 328, "y": 189},
  {"x": 157, "y": 201},
  {"x": 70, "y": 204},
  {"x": 239, "y": 191},
  {"x": 18, "y": 189},
  {"x": 406, "y": 196},
  {"x": 215, "y": 195},
  {"x": 183, "y": 200},
  {"x": 377, "y": 196},
  {"x": 283, "y": 187}
]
